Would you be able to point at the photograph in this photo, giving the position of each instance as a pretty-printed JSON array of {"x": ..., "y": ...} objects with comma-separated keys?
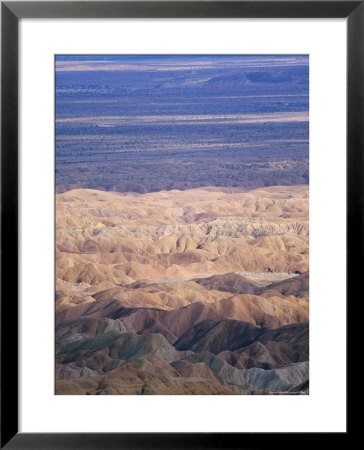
[{"x": 181, "y": 224}]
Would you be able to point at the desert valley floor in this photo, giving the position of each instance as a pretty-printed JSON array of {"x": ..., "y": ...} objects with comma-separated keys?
[{"x": 197, "y": 291}]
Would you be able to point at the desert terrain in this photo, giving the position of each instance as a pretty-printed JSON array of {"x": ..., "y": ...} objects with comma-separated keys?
[
  {"x": 153, "y": 123},
  {"x": 202, "y": 291},
  {"x": 182, "y": 224}
]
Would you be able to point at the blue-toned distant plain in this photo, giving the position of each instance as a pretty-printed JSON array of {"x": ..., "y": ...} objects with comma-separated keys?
[{"x": 149, "y": 123}]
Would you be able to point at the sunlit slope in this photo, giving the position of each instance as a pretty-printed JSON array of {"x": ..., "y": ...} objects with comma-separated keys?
[{"x": 106, "y": 239}]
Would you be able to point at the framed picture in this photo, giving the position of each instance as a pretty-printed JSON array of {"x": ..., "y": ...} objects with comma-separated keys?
[{"x": 184, "y": 179}]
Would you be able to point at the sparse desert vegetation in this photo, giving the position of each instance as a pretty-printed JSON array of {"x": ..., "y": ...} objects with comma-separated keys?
[{"x": 146, "y": 125}]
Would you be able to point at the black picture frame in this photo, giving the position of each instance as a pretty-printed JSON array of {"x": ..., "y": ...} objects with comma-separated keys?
[{"x": 11, "y": 12}]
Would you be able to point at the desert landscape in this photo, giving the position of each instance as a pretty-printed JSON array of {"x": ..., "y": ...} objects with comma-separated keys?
[{"x": 182, "y": 226}]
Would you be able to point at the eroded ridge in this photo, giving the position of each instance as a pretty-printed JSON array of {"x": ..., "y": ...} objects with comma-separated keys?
[{"x": 201, "y": 291}]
